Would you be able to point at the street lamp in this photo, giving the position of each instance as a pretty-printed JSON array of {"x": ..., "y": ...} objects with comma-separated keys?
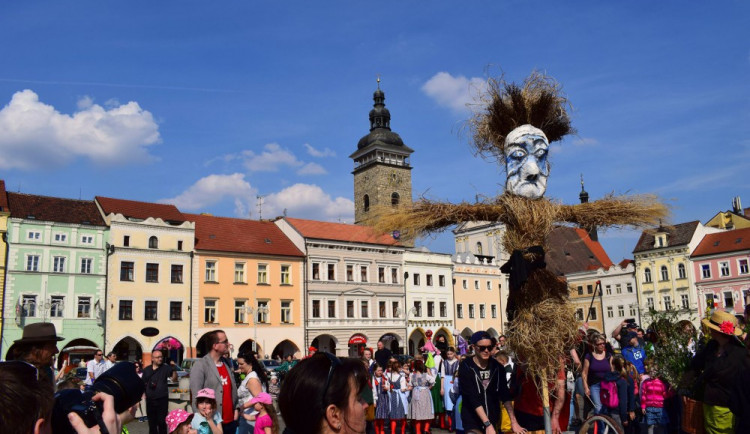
[{"x": 255, "y": 312}]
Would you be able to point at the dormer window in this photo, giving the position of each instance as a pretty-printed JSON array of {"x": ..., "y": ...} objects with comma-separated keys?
[{"x": 153, "y": 243}]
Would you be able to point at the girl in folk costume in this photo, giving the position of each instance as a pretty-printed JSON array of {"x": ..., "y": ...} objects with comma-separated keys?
[
  {"x": 380, "y": 392},
  {"x": 397, "y": 400},
  {"x": 420, "y": 407},
  {"x": 433, "y": 360},
  {"x": 447, "y": 370}
]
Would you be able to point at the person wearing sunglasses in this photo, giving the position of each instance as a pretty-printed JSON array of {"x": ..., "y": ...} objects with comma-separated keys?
[
  {"x": 483, "y": 388},
  {"x": 214, "y": 371},
  {"x": 323, "y": 395}
]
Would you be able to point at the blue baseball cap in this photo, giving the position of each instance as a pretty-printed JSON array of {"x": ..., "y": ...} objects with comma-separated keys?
[{"x": 480, "y": 335}]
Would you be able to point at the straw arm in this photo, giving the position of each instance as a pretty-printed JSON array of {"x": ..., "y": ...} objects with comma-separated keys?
[
  {"x": 616, "y": 211},
  {"x": 426, "y": 217}
]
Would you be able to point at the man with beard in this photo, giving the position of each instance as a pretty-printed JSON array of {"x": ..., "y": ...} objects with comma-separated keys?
[{"x": 37, "y": 346}]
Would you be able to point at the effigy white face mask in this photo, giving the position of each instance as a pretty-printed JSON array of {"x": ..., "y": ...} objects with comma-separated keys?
[{"x": 526, "y": 165}]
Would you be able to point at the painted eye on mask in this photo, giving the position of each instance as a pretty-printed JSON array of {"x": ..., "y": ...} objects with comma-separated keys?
[
  {"x": 540, "y": 153},
  {"x": 518, "y": 154}
]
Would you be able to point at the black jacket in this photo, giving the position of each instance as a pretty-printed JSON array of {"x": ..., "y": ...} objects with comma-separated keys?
[{"x": 475, "y": 395}]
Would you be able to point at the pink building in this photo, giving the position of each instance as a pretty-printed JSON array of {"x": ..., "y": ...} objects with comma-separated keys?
[{"x": 721, "y": 264}]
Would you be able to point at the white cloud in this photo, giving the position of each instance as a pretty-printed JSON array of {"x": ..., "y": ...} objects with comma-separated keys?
[
  {"x": 326, "y": 152},
  {"x": 271, "y": 159},
  {"x": 310, "y": 202},
  {"x": 453, "y": 92},
  {"x": 312, "y": 169},
  {"x": 212, "y": 189},
  {"x": 585, "y": 141},
  {"x": 34, "y": 135}
]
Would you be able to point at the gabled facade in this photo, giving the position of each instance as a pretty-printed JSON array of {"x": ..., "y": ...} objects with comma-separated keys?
[
  {"x": 736, "y": 218},
  {"x": 721, "y": 266},
  {"x": 353, "y": 286},
  {"x": 56, "y": 269},
  {"x": 149, "y": 279},
  {"x": 4, "y": 214},
  {"x": 429, "y": 297},
  {"x": 665, "y": 279},
  {"x": 249, "y": 284}
]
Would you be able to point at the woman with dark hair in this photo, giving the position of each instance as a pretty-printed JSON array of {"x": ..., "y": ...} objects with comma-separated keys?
[
  {"x": 322, "y": 395},
  {"x": 254, "y": 383}
]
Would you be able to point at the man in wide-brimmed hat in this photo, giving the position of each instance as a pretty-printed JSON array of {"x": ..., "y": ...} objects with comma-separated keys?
[{"x": 38, "y": 346}]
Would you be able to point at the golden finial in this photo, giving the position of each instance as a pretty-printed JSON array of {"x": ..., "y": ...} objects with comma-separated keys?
[{"x": 378, "y": 76}]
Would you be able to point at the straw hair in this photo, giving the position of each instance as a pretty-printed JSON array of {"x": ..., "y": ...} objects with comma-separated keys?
[{"x": 538, "y": 101}]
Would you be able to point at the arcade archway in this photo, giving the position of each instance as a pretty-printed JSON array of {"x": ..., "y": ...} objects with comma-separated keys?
[
  {"x": 442, "y": 331},
  {"x": 77, "y": 351},
  {"x": 128, "y": 349},
  {"x": 325, "y": 343},
  {"x": 251, "y": 345},
  {"x": 284, "y": 348},
  {"x": 416, "y": 341},
  {"x": 172, "y": 348},
  {"x": 392, "y": 341}
]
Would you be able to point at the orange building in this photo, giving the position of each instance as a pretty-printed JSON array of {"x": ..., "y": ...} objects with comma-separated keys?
[{"x": 249, "y": 279}]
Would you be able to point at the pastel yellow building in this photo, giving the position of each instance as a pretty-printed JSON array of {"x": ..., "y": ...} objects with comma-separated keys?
[
  {"x": 476, "y": 294},
  {"x": 149, "y": 285},
  {"x": 4, "y": 214},
  {"x": 249, "y": 284}
]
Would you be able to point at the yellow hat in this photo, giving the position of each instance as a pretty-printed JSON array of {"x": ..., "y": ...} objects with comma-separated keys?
[{"x": 723, "y": 322}]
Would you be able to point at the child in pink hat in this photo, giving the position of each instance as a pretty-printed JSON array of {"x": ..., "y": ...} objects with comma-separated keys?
[
  {"x": 178, "y": 422},
  {"x": 206, "y": 420},
  {"x": 266, "y": 421}
]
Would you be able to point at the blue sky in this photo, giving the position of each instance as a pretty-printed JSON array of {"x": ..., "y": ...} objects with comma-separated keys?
[{"x": 208, "y": 104}]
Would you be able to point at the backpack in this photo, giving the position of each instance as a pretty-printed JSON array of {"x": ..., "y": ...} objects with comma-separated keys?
[{"x": 608, "y": 394}]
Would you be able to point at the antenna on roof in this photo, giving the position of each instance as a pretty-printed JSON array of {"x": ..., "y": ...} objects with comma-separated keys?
[
  {"x": 284, "y": 212},
  {"x": 260, "y": 206}
]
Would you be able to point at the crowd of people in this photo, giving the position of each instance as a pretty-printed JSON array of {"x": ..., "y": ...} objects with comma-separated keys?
[{"x": 479, "y": 388}]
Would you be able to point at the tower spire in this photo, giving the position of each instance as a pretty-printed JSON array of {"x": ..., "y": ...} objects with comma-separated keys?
[{"x": 583, "y": 196}]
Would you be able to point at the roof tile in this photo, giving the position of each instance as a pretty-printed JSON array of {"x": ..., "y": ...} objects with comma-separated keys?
[
  {"x": 340, "y": 232},
  {"x": 677, "y": 235},
  {"x": 570, "y": 250},
  {"x": 723, "y": 242},
  {"x": 226, "y": 234},
  {"x": 140, "y": 210},
  {"x": 54, "y": 209},
  {"x": 3, "y": 197}
]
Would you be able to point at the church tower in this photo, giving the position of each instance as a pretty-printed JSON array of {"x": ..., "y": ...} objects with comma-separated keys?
[{"x": 382, "y": 174}]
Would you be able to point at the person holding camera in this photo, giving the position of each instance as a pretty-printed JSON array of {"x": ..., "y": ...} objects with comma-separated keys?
[{"x": 157, "y": 393}]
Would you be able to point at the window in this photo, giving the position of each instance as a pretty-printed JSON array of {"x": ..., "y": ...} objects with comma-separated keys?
[
  {"x": 429, "y": 279},
  {"x": 579, "y": 314},
  {"x": 153, "y": 243},
  {"x": 316, "y": 308},
  {"x": 465, "y": 284},
  {"x": 286, "y": 312},
  {"x": 61, "y": 238},
  {"x": 441, "y": 281},
  {"x": 84, "y": 307},
  {"x": 667, "y": 302},
  {"x": 349, "y": 273},
  {"x": 87, "y": 239},
  {"x": 58, "y": 264},
  {"x": 621, "y": 311},
  {"x": 152, "y": 272},
  {"x": 664, "y": 273},
  {"x": 618, "y": 288},
  {"x": 430, "y": 309},
  {"x": 460, "y": 310},
  {"x": 179, "y": 245},
  {"x": 286, "y": 275},
  {"x": 381, "y": 274},
  {"x": 381, "y": 309},
  {"x": 350, "y": 308},
  {"x": 610, "y": 312},
  {"x": 685, "y": 301},
  {"x": 364, "y": 309},
  {"x": 209, "y": 311},
  {"x": 331, "y": 272},
  {"x": 479, "y": 248},
  {"x": 33, "y": 235},
  {"x": 743, "y": 266},
  {"x": 493, "y": 310},
  {"x": 85, "y": 265},
  {"x": 589, "y": 289},
  {"x": 630, "y": 288},
  {"x": 56, "y": 306},
  {"x": 239, "y": 272},
  {"x": 443, "y": 309},
  {"x": 32, "y": 263},
  {"x": 650, "y": 302},
  {"x": 482, "y": 311},
  {"x": 395, "y": 309},
  {"x": 262, "y": 312},
  {"x": 418, "y": 308},
  {"x": 394, "y": 275},
  {"x": 580, "y": 289},
  {"x": 471, "y": 311},
  {"x": 416, "y": 279},
  {"x": 125, "y": 310},
  {"x": 175, "y": 311},
  {"x": 240, "y": 308},
  {"x": 632, "y": 310},
  {"x": 476, "y": 285},
  {"x": 176, "y": 273},
  {"x": 331, "y": 309},
  {"x": 647, "y": 275},
  {"x": 724, "y": 269},
  {"x": 706, "y": 271},
  {"x": 126, "y": 240},
  {"x": 608, "y": 289},
  {"x": 363, "y": 273},
  {"x": 262, "y": 274},
  {"x": 150, "y": 310},
  {"x": 394, "y": 199},
  {"x": 681, "y": 271},
  {"x": 592, "y": 313},
  {"x": 316, "y": 271},
  {"x": 710, "y": 301},
  {"x": 210, "y": 271},
  {"x": 489, "y": 285},
  {"x": 126, "y": 271},
  {"x": 728, "y": 300},
  {"x": 366, "y": 203}
]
